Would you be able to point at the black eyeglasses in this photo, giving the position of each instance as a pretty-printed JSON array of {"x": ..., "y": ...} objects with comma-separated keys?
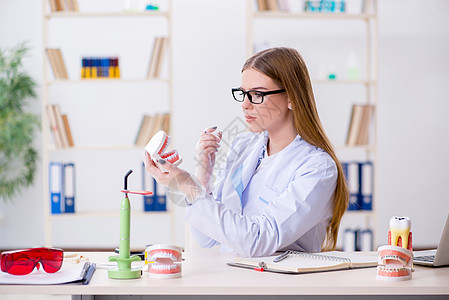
[{"x": 255, "y": 97}]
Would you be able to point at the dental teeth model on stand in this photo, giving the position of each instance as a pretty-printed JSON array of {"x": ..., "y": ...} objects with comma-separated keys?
[
  {"x": 163, "y": 261},
  {"x": 395, "y": 259}
]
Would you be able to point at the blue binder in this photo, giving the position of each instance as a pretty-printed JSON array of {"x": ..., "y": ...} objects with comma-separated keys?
[
  {"x": 68, "y": 176},
  {"x": 148, "y": 203},
  {"x": 350, "y": 240},
  {"x": 352, "y": 173},
  {"x": 148, "y": 184},
  {"x": 366, "y": 185},
  {"x": 161, "y": 197},
  {"x": 366, "y": 240},
  {"x": 357, "y": 239},
  {"x": 55, "y": 187}
]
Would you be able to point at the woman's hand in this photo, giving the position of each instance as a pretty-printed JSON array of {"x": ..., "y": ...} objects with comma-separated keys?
[
  {"x": 206, "y": 149},
  {"x": 173, "y": 177}
]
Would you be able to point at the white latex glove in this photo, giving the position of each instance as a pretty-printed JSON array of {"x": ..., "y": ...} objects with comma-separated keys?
[
  {"x": 206, "y": 149},
  {"x": 174, "y": 178}
]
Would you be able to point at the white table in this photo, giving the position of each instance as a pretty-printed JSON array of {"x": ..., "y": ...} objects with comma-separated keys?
[{"x": 206, "y": 273}]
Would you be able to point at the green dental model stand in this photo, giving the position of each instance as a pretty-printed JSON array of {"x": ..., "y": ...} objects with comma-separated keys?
[{"x": 124, "y": 259}]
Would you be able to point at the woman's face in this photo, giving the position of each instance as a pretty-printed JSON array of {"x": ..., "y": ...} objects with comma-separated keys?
[{"x": 273, "y": 113}]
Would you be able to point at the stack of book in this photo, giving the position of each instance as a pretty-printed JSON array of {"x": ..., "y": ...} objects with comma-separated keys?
[
  {"x": 63, "y": 5},
  {"x": 316, "y": 6},
  {"x": 272, "y": 5},
  {"x": 150, "y": 125},
  {"x": 57, "y": 63},
  {"x": 100, "y": 67},
  {"x": 59, "y": 125},
  {"x": 157, "y": 57},
  {"x": 360, "y": 125},
  {"x": 328, "y": 6}
]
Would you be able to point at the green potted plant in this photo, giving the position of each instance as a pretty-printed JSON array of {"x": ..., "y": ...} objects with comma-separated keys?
[{"x": 18, "y": 158}]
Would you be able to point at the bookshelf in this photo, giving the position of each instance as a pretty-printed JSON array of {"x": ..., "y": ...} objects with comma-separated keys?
[
  {"x": 296, "y": 28},
  {"x": 102, "y": 154},
  {"x": 70, "y": 14}
]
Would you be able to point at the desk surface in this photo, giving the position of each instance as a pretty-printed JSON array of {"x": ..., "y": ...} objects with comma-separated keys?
[{"x": 206, "y": 273}]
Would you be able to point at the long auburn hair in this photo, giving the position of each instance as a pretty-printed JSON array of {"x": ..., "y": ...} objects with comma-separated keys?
[{"x": 286, "y": 67}]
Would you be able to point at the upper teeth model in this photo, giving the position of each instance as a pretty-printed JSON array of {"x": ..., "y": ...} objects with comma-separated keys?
[
  {"x": 400, "y": 228},
  {"x": 157, "y": 148},
  {"x": 394, "y": 255}
]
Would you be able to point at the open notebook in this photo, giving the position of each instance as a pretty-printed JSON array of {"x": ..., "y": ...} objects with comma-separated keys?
[{"x": 301, "y": 262}]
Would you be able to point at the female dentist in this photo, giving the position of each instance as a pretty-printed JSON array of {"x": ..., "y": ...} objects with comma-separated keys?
[{"x": 282, "y": 186}]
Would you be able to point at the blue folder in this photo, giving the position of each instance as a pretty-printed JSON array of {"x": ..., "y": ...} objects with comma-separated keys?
[
  {"x": 68, "y": 175},
  {"x": 161, "y": 197},
  {"x": 366, "y": 185},
  {"x": 352, "y": 173},
  {"x": 148, "y": 184},
  {"x": 55, "y": 187}
]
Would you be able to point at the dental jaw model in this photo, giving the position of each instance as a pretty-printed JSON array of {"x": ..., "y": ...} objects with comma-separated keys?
[
  {"x": 157, "y": 148},
  {"x": 164, "y": 261},
  {"x": 395, "y": 259}
]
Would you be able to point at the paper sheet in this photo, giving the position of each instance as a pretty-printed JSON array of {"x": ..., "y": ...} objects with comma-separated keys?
[{"x": 69, "y": 272}]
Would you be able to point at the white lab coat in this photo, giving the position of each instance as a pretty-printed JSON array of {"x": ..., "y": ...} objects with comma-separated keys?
[{"x": 297, "y": 193}]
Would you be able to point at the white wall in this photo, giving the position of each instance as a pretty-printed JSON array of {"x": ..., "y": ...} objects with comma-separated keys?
[
  {"x": 413, "y": 127},
  {"x": 209, "y": 50},
  {"x": 21, "y": 221}
]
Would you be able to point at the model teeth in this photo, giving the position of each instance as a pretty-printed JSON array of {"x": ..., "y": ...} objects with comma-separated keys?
[
  {"x": 165, "y": 145},
  {"x": 157, "y": 147},
  {"x": 164, "y": 254},
  {"x": 164, "y": 267},
  {"x": 172, "y": 156},
  {"x": 170, "y": 256},
  {"x": 394, "y": 263},
  {"x": 400, "y": 228},
  {"x": 167, "y": 142},
  {"x": 393, "y": 257},
  {"x": 169, "y": 154},
  {"x": 392, "y": 269}
]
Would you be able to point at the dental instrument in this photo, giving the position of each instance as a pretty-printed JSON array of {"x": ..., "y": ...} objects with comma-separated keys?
[{"x": 124, "y": 260}]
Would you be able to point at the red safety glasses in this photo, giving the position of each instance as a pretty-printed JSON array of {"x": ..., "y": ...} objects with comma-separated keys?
[{"x": 22, "y": 262}]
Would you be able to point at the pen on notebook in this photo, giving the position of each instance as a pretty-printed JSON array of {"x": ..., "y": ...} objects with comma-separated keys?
[{"x": 281, "y": 257}]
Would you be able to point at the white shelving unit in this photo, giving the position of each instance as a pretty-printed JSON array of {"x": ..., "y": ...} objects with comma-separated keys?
[
  {"x": 369, "y": 80},
  {"x": 95, "y": 224}
]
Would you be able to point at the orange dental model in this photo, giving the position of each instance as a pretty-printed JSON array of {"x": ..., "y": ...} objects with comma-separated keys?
[
  {"x": 395, "y": 260},
  {"x": 164, "y": 261}
]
